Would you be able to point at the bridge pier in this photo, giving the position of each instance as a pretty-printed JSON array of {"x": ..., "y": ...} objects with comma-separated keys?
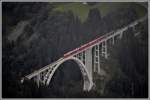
[
  {"x": 133, "y": 28},
  {"x": 104, "y": 49},
  {"x": 81, "y": 56},
  {"x": 113, "y": 41},
  {"x": 37, "y": 80},
  {"x": 88, "y": 61},
  {"x": 121, "y": 35},
  {"x": 96, "y": 59}
]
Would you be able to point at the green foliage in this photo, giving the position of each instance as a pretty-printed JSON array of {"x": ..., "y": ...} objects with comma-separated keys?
[{"x": 82, "y": 10}]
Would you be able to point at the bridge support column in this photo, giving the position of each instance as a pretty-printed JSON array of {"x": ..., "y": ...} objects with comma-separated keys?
[
  {"x": 134, "y": 29},
  {"x": 88, "y": 61},
  {"x": 97, "y": 59},
  {"x": 113, "y": 41},
  {"x": 121, "y": 35},
  {"x": 81, "y": 56},
  {"x": 38, "y": 80},
  {"x": 104, "y": 49}
]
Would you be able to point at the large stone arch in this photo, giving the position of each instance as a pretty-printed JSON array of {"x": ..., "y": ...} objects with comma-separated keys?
[{"x": 88, "y": 83}]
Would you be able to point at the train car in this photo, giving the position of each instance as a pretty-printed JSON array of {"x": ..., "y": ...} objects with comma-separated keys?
[{"x": 82, "y": 47}]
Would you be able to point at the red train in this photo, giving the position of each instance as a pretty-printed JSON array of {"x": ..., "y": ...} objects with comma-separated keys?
[{"x": 75, "y": 51}]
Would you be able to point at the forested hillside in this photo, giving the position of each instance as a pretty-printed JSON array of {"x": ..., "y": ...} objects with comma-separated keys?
[{"x": 36, "y": 34}]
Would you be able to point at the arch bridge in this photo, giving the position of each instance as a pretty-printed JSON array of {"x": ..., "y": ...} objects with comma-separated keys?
[{"x": 87, "y": 56}]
